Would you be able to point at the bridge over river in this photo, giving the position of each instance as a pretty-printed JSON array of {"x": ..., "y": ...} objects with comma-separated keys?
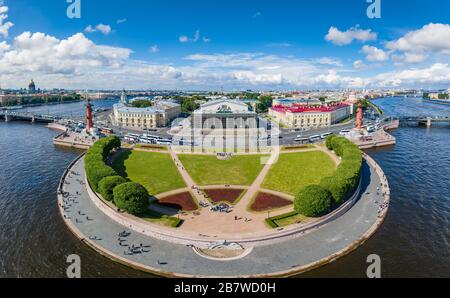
[
  {"x": 8, "y": 115},
  {"x": 423, "y": 120}
]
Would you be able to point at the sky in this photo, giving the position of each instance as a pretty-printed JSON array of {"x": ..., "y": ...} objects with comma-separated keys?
[{"x": 225, "y": 45}]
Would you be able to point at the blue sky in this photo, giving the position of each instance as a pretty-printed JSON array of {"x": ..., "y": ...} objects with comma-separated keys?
[{"x": 226, "y": 44}]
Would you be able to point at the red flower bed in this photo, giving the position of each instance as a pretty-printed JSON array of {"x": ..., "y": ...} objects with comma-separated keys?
[
  {"x": 224, "y": 195},
  {"x": 266, "y": 202},
  {"x": 182, "y": 201}
]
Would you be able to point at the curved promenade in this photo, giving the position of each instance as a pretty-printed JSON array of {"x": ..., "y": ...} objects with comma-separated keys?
[{"x": 290, "y": 257}]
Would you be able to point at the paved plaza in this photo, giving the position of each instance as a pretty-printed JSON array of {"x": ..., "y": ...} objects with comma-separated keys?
[{"x": 165, "y": 258}]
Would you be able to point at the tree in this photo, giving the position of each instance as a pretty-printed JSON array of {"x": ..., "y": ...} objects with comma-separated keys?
[
  {"x": 141, "y": 103},
  {"x": 265, "y": 102},
  {"x": 131, "y": 197},
  {"x": 313, "y": 201},
  {"x": 96, "y": 171},
  {"x": 107, "y": 185}
]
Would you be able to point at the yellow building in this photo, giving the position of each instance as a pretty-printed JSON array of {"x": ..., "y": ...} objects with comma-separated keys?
[
  {"x": 159, "y": 115},
  {"x": 308, "y": 117}
]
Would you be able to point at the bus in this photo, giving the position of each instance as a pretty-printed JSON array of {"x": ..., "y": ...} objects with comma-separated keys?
[
  {"x": 302, "y": 140},
  {"x": 106, "y": 131},
  {"x": 131, "y": 138},
  {"x": 146, "y": 140},
  {"x": 325, "y": 135},
  {"x": 313, "y": 139},
  {"x": 164, "y": 142}
]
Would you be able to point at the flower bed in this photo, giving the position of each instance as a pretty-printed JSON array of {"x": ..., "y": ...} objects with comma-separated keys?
[
  {"x": 182, "y": 201},
  {"x": 224, "y": 195},
  {"x": 267, "y": 202}
]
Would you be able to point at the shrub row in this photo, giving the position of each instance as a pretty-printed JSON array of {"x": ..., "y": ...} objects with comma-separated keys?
[
  {"x": 317, "y": 200},
  {"x": 95, "y": 166},
  {"x": 346, "y": 178},
  {"x": 128, "y": 196}
]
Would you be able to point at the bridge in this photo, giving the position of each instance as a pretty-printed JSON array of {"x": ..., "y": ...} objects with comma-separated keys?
[
  {"x": 423, "y": 120},
  {"x": 26, "y": 116}
]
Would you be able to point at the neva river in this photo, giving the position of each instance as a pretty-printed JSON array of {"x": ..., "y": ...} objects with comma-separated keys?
[{"x": 414, "y": 241}]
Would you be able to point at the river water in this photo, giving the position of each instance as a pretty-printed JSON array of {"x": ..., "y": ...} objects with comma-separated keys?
[{"x": 414, "y": 241}]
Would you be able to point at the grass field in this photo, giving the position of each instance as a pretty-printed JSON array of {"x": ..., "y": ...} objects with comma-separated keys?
[
  {"x": 294, "y": 171},
  {"x": 162, "y": 220},
  {"x": 208, "y": 170},
  {"x": 287, "y": 219},
  {"x": 155, "y": 171}
]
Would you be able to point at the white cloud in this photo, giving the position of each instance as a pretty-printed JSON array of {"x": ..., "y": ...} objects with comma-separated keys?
[
  {"x": 257, "y": 14},
  {"x": 121, "y": 21},
  {"x": 195, "y": 38},
  {"x": 4, "y": 25},
  {"x": 342, "y": 38},
  {"x": 359, "y": 64},
  {"x": 183, "y": 38},
  {"x": 279, "y": 44},
  {"x": 411, "y": 58},
  {"x": 43, "y": 54},
  {"x": 374, "y": 54},
  {"x": 104, "y": 29},
  {"x": 436, "y": 74},
  {"x": 154, "y": 49},
  {"x": 431, "y": 37}
]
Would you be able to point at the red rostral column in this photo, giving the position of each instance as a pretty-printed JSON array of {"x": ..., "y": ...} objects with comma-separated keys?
[
  {"x": 359, "y": 116},
  {"x": 89, "y": 115}
]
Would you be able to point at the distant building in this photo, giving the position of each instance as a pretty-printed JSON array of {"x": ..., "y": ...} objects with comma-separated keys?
[
  {"x": 159, "y": 115},
  {"x": 32, "y": 87},
  {"x": 224, "y": 113},
  {"x": 8, "y": 99},
  {"x": 297, "y": 101},
  {"x": 307, "y": 117}
]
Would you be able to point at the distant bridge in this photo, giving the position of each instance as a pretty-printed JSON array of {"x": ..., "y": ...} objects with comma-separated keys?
[
  {"x": 423, "y": 120},
  {"x": 26, "y": 116}
]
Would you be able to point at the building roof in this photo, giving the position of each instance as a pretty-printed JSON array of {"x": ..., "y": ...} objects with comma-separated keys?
[
  {"x": 121, "y": 108},
  {"x": 224, "y": 106},
  {"x": 296, "y": 109},
  {"x": 292, "y": 101}
]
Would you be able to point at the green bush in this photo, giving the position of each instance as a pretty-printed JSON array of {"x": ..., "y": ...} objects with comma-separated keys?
[
  {"x": 131, "y": 197},
  {"x": 336, "y": 186},
  {"x": 346, "y": 178},
  {"x": 95, "y": 172},
  {"x": 94, "y": 161},
  {"x": 313, "y": 201},
  {"x": 93, "y": 157},
  {"x": 329, "y": 142},
  {"x": 107, "y": 185}
]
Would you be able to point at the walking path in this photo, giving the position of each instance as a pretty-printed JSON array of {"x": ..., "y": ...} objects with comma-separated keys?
[{"x": 285, "y": 258}]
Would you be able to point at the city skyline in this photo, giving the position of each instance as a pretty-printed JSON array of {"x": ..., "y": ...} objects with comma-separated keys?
[{"x": 224, "y": 46}]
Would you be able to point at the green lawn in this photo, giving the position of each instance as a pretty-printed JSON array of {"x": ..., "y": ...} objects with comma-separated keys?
[
  {"x": 163, "y": 220},
  {"x": 155, "y": 171},
  {"x": 294, "y": 171},
  {"x": 208, "y": 170}
]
